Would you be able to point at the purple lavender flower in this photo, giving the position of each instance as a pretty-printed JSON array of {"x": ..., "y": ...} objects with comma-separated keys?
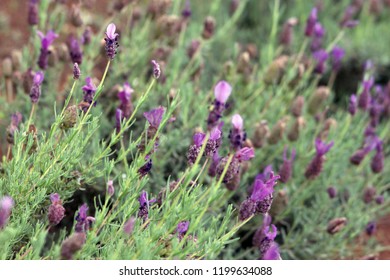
[
  {"x": 154, "y": 116},
  {"x": 310, "y": 22},
  {"x": 371, "y": 228},
  {"x": 16, "y": 119},
  {"x": 6, "y": 204},
  {"x": 182, "y": 229},
  {"x": 144, "y": 203},
  {"x": 128, "y": 227},
  {"x": 352, "y": 105},
  {"x": 337, "y": 55},
  {"x": 76, "y": 71},
  {"x": 84, "y": 222},
  {"x": 156, "y": 69},
  {"x": 379, "y": 199},
  {"x": 35, "y": 91},
  {"x": 213, "y": 142},
  {"x": 320, "y": 56},
  {"x": 89, "y": 92},
  {"x": 75, "y": 50},
  {"x": 378, "y": 160},
  {"x": 332, "y": 192},
  {"x": 145, "y": 169},
  {"x": 261, "y": 198},
  {"x": 56, "y": 211},
  {"x": 72, "y": 244},
  {"x": 118, "y": 119},
  {"x": 222, "y": 92},
  {"x": 194, "y": 149},
  {"x": 244, "y": 154},
  {"x": 237, "y": 135},
  {"x": 33, "y": 12},
  {"x": 212, "y": 172},
  {"x": 267, "y": 243},
  {"x": 272, "y": 254},
  {"x": 87, "y": 35},
  {"x": 125, "y": 98},
  {"x": 365, "y": 96},
  {"x": 315, "y": 166},
  {"x": 376, "y": 109},
  {"x": 318, "y": 36},
  {"x": 110, "y": 188},
  {"x": 347, "y": 21},
  {"x": 186, "y": 13},
  {"x": 285, "y": 171},
  {"x": 259, "y": 234},
  {"x": 111, "y": 41},
  {"x": 46, "y": 41}
]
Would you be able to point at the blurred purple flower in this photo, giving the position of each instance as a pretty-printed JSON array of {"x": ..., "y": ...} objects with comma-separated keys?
[
  {"x": 46, "y": 41},
  {"x": 352, "y": 105},
  {"x": 110, "y": 188},
  {"x": 156, "y": 69},
  {"x": 337, "y": 55},
  {"x": 6, "y": 204},
  {"x": 35, "y": 92},
  {"x": 315, "y": 166},
  {"x": 320, "y": 57},
  {"x": 365, "y": 97},
  {"x": 56, "y": 211},
  {"x": 75, "y": 50},
  {"x": 237, "y": 135},
  {"x": 84, "y": 221},
  {"x": 33, "y": 12},
  {"x": 125, "y": 98},
  {"x": 128, "y": 227},
  {"x": 285, "y": 171},
  {"x": 310, "y": 22},
  {"x": 222, "y": 92}
]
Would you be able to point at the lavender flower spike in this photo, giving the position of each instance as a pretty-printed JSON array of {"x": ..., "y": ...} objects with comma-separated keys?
[
  {"x": 89, "y": 92},
  {"x": 35, "y": 91},
  {"x": 337, "y": 55},
  {"x": 182, "y": 229},
  {"x": 222, "y": 92},
  {"x": 285, "y": 171},
  {"x": 76, "y": 71},
  {"x": 46, "y": 41},
  {"x": 33, "y": 12},
  {"x": 156, "y": 69},
  {"x": 83, "y": 221},
  {"x": 154, "y": 116},
  {"x": 144, "y": 203},
  {"x": 75, "y": 50},
  {"x": 237, "y": 135},
  {"x": 128, "y": 227},
  {"x": 315, "y": 166},
  {"x": 6, "y": 204},
  {"x": 310, "y": 23},
  {"x": 377, "y": 162},
  {"x": 352, "y": 105},
  {"x": 261, "y": 198},
  {"x": 365, "y": 96},
  {"x": 56, "y": 210},
  {"x": 111, "y": 41},
  {"x": 125, "y": 98},
  {"x": 213, "y": 142},
  {"x": 320, "y": 56},
  {"x": 194, "y": 149},
  {"x": 110, "y": 188}
]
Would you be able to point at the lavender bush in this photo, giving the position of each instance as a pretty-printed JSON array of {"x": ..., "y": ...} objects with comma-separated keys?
[{"x": 174, "y": 130}]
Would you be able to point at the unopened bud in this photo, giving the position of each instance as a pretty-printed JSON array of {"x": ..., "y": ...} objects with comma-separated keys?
[
  {"x": 277, "y": 132},
  {"x": 208, "y": 27},
  {"x": 336, "y": 225},
  {"x": 70, "y": 117},
  {"x": 295, "y": 129},
  {"x": 318, "y": 98},
  {"x": 261, "y": 134},
  {"x": 297, "y": 106},
  {"x": 75, "y": 16},
  {"x": 276, "y": 70},
  {"x": 7, "y": 67}
]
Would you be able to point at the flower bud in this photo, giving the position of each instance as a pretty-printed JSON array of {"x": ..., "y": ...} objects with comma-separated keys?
[
  {"x": 208, "y": 27},
  {"x": 276, "y": 70},
  {"x": 70, "y": 117},
  {"x": 297, "y": 106},
  {"x": 7, "y": 67},
  {"x": 261, "y": 134},
  {"x": 295, "y": 129},
  {"x": 277, "y": 132},
  {"x": 336, "y": 225},
  {"x": 317, "y": 100},
  {"x": 72, "y": 244},
  {"x": 369, "y": 194}
]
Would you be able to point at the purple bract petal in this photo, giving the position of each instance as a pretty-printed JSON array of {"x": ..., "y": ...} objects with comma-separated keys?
[
  {"x": 154, "y": 116},
  {"x": 222, "y": 91},
  {"x": 89, "y": 85},
  {"x": 321, "y": 147},
  {"x": 215, "y": 134},
  {"x": 111, "y": 28},
  {"x": 198, "y": 138},
  {"x": 245, "y": 154},
  {"x": 238, "y": 122},
  {"x": 55, "y": 197},
  {"x": 38, "y": 78}
]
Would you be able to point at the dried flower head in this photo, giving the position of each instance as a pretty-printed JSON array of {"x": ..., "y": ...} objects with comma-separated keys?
[{"x": 336, "y": 225}]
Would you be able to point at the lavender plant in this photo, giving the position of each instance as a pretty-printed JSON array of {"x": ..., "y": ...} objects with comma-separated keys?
[{"x": 175, "y": 147}]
